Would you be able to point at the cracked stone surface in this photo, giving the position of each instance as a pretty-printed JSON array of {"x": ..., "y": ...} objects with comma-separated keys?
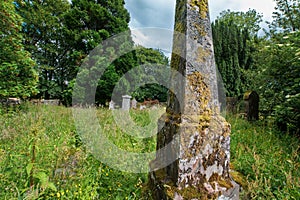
[{"x": 199, "y": 135}]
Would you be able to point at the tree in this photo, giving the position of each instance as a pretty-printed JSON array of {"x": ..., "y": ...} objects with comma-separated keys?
[
  {"x": 249, "y": 20},
  {"x": 94, "y": 23},
  {"x": 155, "y": 67},
  {"x": 46, "y": 39},
  {"x": 60, "y": 34},
  {"x": 286, "y": 17},
  {"x": 233, "y": 49},
  {"x": 277, "y": 61},
  {"x": 17, "y": 73},
  {"x": 277, "y": 79}
]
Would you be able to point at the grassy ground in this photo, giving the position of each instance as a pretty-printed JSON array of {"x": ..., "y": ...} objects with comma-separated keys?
[
  {"x": 41, "y": 157},
  {"x": 267, "y": 158}
]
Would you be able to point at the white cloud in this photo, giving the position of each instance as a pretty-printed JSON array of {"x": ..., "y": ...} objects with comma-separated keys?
[
  {"x": 160, "y": 14},
  {"x": 156, "y": 38}
]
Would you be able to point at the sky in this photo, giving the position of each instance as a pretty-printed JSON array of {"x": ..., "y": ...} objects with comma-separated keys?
[{"x": 159, "y": 15}]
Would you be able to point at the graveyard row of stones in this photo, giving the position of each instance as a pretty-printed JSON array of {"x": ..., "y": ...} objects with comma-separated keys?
[
  {"x": 17, "y": 101},
  {"x": 127, "y": 103}
]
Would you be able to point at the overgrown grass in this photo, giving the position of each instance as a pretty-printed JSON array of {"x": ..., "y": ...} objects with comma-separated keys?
[
  {"x": 41, "y": 157},
  {"x": 267, "y": 158}
]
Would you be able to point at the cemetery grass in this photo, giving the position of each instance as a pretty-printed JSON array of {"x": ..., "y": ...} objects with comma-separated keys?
[{"x": 42, "y": 157}]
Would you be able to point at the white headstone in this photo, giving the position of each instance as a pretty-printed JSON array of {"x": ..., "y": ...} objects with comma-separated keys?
[
  {"x": 126, "y": 102},
  {"x": 111, "y": 105}
]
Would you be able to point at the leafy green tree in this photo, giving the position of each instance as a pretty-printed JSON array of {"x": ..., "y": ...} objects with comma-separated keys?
[
  {"x": 277, "y": 62},
  {"x": 92, "y": 23},
  {"x": 249, "y": 20},
  {"x": 233, "y": 48},
  {"x": 17, "y": 73},
  {"x": 286, "y": 16},
  {"x": 277, "y": 79},
  {"x": 46, "y": 39},
  {"x": 60, "y": 34},
  {"x": 155, "y": 68}
]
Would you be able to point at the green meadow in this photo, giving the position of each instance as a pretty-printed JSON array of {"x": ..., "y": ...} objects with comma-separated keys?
[{"x": 42, "y": 156}]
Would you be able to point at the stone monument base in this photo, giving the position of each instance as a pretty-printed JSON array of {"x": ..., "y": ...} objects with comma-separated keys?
[{"x": 162, "y": 188}]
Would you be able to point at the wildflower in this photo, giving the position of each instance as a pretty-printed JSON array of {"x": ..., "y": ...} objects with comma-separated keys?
[{"x": 58, "y": 195}]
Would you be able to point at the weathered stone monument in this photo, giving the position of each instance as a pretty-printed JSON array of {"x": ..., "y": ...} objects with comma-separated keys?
[
  {"x": 251, "y": 99},
  {"x": 193, "y": 140},
  {"x": 126, "y": 102}
]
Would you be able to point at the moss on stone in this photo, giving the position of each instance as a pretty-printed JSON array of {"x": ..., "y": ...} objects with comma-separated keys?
[
  {"x": 176, "y": 60},
  {"x": 216, "y": 178},
  {"x": 179, "y": 27},
  {"x": 239, "y": 178}
]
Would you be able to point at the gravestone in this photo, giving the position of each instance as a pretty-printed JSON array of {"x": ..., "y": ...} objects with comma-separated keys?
[
  {"x": 53, "y": 102},
  {"x": 126, "y": 102},
  {"x": 251, "y": 99},
  {"x": 193, "y": 142},
  {"x": 231, "y": 105},
  {"x": 133, "y": 103},
  {"x": 111, "y": 105}
]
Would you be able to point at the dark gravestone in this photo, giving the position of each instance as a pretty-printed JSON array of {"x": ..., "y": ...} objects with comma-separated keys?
[
  {"x": 251, "y": 99},
  {"x": 231, "y": 105}
]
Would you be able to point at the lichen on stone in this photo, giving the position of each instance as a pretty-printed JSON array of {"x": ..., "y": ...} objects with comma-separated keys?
[
  {"x": 201, "y": 6},
  {"x": 202, "y": 54},
  {"x": 201, "y": 29}
]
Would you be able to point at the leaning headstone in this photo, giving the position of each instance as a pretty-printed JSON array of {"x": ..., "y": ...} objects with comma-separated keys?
[
  {"x": 133, "y": 103},
  {"x": 111, "y": 105},
  {"x": 251, "y": 99},
  {"x": 193, "y": 142},
  {"x": 126, "y": 102}
]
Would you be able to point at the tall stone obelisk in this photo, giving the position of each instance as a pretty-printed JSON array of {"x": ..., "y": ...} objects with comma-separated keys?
[{"x": 194, "y": 140}]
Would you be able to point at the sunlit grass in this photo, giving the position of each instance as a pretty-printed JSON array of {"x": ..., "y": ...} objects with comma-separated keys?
[
  {"x": 267, "y": 158},
  {"x": 42, "y": 157}
]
